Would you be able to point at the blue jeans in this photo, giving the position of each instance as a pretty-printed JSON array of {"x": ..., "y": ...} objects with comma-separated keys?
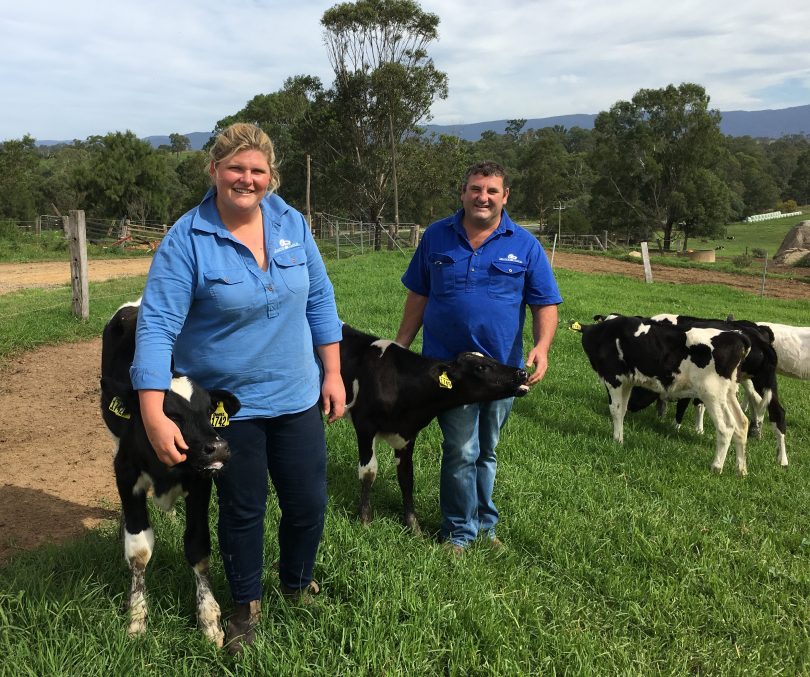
[
  {"x": 471, "y": 433},
  {"x": 292, "y": 448}
]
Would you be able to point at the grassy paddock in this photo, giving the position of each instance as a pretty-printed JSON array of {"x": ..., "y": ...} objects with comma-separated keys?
[{"x": 628, "y": 559}]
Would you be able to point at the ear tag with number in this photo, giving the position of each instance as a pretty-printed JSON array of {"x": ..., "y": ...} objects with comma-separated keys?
[
  {"x": 219, "y": 419},
  {"x": 117, "y": 407},
  {"x": 444, "y": 381},
  {"x": 574, "y": 326}
]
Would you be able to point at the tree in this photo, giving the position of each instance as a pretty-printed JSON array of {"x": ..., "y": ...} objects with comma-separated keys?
[
  {"x": 178, "y": 143},
  {"x": 385, "y": 83},
  {"x": 124, "y": 176},
  {"x": 19, "y": 182},
  {"x": 799, "y": 186},
  {"x": 649, "y": 151}
]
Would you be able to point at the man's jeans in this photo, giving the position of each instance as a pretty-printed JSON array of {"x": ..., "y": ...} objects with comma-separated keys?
[{"x": 471, "y": 434}]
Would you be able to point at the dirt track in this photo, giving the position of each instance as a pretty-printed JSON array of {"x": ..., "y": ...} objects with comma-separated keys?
[{"x": 55, "y": 453}]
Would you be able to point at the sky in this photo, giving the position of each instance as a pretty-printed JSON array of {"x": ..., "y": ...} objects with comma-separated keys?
[{"x": 70, "y": 69}]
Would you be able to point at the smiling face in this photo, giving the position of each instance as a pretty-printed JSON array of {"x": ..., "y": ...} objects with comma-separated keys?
[
  {"x": 483, "y": 199},
  {"x": 241, "y": 181}
]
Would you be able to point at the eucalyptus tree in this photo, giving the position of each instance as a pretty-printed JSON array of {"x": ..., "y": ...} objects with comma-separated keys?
[
  {"x": 799, "y": 184},
  {"x": 649, "y": 152},
  {"x": 385, "y": 83}
]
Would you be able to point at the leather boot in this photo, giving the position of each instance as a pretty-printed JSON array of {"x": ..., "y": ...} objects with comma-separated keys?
[
  {"x": 241, "y": 630},
  {"x": 305, "y": 595}
]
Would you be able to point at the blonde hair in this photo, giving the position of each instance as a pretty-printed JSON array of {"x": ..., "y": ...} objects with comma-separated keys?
[{"x": 244, "y": 136}]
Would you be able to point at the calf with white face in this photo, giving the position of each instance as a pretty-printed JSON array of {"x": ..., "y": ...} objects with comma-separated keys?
[
  {"x": 394, "y": 393},
  {"x": 137, "y": 468}
]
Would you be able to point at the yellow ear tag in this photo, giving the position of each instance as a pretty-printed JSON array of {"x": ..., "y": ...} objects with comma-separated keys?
[
  {"x": 219, "y": 419},
  {"x": 117, "y": 407},
  {"x": 575, "y": 326},
  {"x": 444, "y": 381}
]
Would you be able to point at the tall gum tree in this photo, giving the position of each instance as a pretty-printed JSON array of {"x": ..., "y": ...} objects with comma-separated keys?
[
  {"x": 649, "y": 152},
  {"x": 385, "y": 83}
]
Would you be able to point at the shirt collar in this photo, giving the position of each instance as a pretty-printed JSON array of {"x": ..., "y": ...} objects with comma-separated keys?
[{"x": 208, "y": 220}]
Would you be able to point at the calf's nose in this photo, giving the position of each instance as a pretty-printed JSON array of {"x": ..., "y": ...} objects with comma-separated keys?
[{"x": 218, "y": 447}]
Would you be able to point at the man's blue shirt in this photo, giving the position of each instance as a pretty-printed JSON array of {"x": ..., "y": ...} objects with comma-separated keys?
[
  {"x": 477, "y": 299},
  {"x": 232, "y": 325}
]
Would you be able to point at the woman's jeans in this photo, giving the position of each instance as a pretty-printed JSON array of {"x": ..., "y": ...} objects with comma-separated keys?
[
  {"x": 292, "y": 448},
  {"x": 471, "y": 433}
]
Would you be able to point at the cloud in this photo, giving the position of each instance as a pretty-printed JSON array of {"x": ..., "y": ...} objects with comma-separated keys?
[{"x": 72, "y": 69}]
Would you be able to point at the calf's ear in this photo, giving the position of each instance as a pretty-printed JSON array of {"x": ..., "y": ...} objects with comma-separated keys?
[{"x": 229, "y": 401}]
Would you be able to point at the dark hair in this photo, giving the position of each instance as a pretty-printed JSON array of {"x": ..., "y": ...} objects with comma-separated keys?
[{"x": 486, "y": 168}]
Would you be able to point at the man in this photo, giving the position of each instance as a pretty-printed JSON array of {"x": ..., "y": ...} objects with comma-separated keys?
[{"x": 468, "y": 284}]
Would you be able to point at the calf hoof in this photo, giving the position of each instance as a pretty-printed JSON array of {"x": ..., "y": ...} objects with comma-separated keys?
[
  {"x": 412, "y": 524},
  {"x": 136, "y": 627},
  {"x": 365, "y": 516},
  {"x": 742, "y": 471},
  {"x": 755, "y": 432},
  {"x": 716, "y": 469},
  {"x": 214, "y": 634}
]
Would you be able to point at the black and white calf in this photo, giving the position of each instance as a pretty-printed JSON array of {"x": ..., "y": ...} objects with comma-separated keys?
[
  {"x": 394, "y": 393},
  {"x": 757, "y": 373},
  {"x": 137, "y": 468},
  {"x": 675, "y": 363}
]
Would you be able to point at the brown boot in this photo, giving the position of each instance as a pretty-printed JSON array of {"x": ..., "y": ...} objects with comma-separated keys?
[
  {"x": 241, "y": 630},
  {"x": 305, "y": 595}
]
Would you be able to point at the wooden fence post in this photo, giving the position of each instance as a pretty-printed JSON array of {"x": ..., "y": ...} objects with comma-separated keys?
[
  {"x": 77, "y": 243},
  {"x": 645, "y": 257}
]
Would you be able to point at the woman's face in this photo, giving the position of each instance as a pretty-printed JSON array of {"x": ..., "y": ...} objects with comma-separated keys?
[{"x": 241, "y": 180}]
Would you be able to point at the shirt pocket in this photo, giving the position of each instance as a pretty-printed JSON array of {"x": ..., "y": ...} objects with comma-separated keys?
[
  {"x": 292, "y": 264},
  {"x": 506, "y": 280},
  {"x": 442, "y": 274},
  {"x": 229, "y": 288}
]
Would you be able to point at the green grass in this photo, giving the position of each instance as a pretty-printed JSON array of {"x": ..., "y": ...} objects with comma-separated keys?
[{"x": 622, "y": 559}]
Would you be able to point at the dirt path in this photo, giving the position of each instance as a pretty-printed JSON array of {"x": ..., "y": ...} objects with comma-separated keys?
[{"x": 56, "y": 477}]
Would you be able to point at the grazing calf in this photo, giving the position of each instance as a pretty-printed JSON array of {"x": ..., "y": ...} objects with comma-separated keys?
[
  {"x": 757, "y": 373},
  {"x": 393, "y": 393},
  {"x": 137, "y": 468},
  {"x": 675, "y": 363}
]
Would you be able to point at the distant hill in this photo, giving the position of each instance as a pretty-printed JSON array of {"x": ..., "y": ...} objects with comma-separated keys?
[{"x": 770, "y": 124}]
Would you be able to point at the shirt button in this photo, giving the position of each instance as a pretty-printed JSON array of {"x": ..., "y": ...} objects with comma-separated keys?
[
  {"x": 269, "y": 288},
  {"x": 473, "y": 269}
]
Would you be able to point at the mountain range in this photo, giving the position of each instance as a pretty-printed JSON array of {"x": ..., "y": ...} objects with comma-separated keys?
[{"x": 770, "y": 124}]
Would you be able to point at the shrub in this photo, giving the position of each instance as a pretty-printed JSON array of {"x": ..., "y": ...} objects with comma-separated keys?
[
  {"x": 759, "y": 253},
  {"x": 742, "y": 261}
]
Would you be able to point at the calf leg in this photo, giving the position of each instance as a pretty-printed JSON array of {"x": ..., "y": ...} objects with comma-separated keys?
[
  {"x": 739, "y": 422},
  {"x": 197, "y": 544},
  {"x": 757, "y": 404},
  {"x": 139, "y": 543},
  {"x": 367, "y": 472},
  {"x": 404, "y": 458},
  {"x": 777, "y": 416},
  {"x": 724, "y": 430},
  {"x": 618, "y": 408},
  {"x": 700, "y": 411}
]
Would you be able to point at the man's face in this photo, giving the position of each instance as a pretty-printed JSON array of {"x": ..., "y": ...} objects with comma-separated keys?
[{"x": 483, "y": 198}]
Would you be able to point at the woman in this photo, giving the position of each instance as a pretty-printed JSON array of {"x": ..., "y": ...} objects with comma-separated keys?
[{"x": 238, "y": 296}]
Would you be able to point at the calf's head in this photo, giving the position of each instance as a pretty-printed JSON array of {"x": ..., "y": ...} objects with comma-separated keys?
[
  {"x": 197, "y": 412},
  {"x": 482, "y": 378}
]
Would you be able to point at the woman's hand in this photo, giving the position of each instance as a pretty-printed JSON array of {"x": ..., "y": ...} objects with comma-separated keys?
[
  {"x": 333, "y": 397},
  {"x": 163, "y": 433}
]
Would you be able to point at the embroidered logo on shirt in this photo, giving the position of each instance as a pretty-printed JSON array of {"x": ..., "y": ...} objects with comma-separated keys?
[
  {"x": 285, "y": 244},
  {"x": 511, "y": 258}
]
